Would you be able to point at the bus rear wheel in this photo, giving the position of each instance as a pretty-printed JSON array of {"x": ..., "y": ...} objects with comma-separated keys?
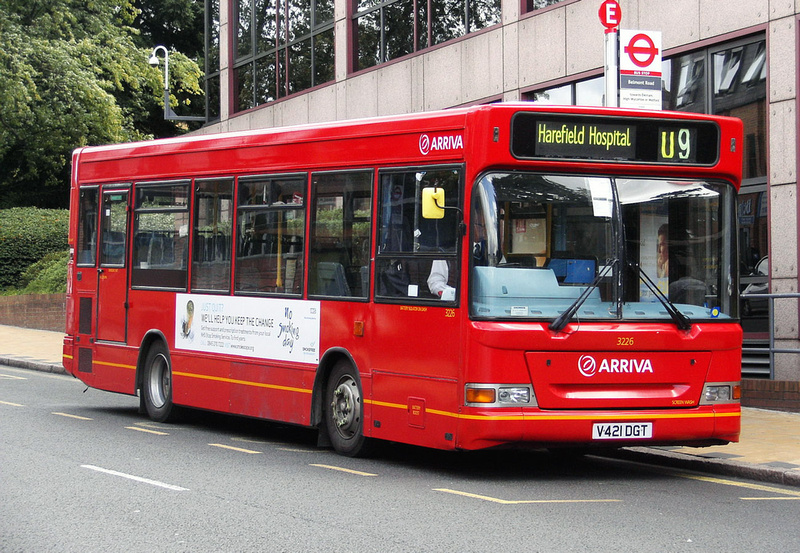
[
  {"x": 157, "y": 384},
  {"x": 344, "y": 411}
]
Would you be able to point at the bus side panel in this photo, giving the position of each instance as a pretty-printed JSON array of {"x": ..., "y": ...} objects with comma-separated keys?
[
  {"x": 201, "y": 382},
  {"x": 270, "y": 391},
  {"x": 417, "y": 354},
  {"x": 115, "y": 368},
  {"x": 420, "y": 411}
]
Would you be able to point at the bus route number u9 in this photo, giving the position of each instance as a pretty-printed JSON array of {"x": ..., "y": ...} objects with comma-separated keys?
[{"x": 677, "y": 145}]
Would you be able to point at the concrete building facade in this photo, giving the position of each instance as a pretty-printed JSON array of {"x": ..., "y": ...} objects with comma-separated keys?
[{"x": 734, "y": 58}]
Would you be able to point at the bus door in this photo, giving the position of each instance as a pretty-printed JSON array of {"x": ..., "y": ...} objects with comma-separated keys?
[
  {"x": 417, "y": 323},
  {"x": 112, "y": 278},
  {"x": 84, "y": 286}
]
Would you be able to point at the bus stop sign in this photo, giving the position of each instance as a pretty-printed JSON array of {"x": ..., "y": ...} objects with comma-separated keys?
[
  {"x": 642, "y": 50},
  {"x": 610, "y": 14}
]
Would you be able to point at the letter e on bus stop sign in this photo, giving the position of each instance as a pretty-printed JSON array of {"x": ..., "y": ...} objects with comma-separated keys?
[{"x": 610, "y": 14}]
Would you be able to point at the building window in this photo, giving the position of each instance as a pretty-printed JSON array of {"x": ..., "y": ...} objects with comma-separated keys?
[
  {"x": 740, "y": 90},
  {"x": 282, "y": 47},
  {"x": 531, "y": 5},
  {"x": 588, "y": 92},
  {"x": 729, "y": 79},
  {"x": 389, "y": 29},
  {"x": 684, "y": 83},
  {"x": 212, "y": 60}
]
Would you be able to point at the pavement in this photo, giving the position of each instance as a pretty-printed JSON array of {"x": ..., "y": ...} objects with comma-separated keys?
[{"x": 768, "y": 450}]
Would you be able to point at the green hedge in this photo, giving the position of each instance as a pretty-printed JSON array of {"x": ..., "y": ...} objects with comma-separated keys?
[
  {"x": 27, "y": 235},
  {"x": 48, "y": 276}
]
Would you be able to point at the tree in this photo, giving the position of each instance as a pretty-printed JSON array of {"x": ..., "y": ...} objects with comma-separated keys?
[
  {"x": 176, "y": 24},
  {"x": 71, "y": 74}
]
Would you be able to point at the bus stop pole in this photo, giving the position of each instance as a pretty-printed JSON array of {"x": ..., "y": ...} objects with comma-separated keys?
[{"x": 611, "y": 98}]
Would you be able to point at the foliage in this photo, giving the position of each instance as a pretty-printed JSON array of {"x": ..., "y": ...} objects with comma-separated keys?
[
  {"x": 27, "y": 235},
  {"x": 176, "y": 24},
  {"x": 48, "y": 276},
  {"x": 71, "y": 74}
]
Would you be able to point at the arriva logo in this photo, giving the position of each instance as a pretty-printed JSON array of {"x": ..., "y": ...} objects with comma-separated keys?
[
  {"x": 588, "y": 367},
  {"x": 438, "y": 143}
]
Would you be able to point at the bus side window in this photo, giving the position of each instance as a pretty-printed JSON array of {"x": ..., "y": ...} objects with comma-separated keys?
[
  {"x": 213, "y": 234},
  {"x": 417, "y": 257},
  {"x": 339, "y": 258},
  {"x": 161, "y": 235},
  {"x": 270, "y": 234}
]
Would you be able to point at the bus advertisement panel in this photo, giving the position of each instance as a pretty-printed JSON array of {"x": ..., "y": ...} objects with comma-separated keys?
[{"x": 286, "y": 330}]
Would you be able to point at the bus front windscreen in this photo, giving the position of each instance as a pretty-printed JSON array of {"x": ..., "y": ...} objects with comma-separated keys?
[{"x": 582, "y": 248}]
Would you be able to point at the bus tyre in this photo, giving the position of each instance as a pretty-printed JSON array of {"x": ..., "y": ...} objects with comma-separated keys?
[
  {"x": 157, "y": 384},
  {"x": 344, "y": 411}
]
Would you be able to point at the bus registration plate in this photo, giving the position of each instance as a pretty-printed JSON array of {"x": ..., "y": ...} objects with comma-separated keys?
[{"x": 622, "y": 430}]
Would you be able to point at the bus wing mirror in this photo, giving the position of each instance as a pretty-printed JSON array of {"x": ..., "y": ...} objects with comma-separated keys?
[{"x": 432, "y": 202}]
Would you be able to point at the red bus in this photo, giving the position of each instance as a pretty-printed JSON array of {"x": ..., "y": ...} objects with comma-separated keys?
[{"x": 501, "y": 274}]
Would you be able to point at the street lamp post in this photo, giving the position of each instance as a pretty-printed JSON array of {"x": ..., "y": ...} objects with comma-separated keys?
[{"x": 168, "y": 113}]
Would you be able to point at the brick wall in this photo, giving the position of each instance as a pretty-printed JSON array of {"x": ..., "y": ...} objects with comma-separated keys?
[
  {"x": 780, "y": 395},
  {"x": 40, "y": 311}
]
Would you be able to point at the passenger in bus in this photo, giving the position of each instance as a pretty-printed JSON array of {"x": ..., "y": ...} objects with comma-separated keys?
[
  {"x": 662, "y": 248},
  {"x": 393, "y": 279},
  {"x": 440, "y": 271},
  {"x": 684, "y": 287},
  {"x": 437, "y": 281}
]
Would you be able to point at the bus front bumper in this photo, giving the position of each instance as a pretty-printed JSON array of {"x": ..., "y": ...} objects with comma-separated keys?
[{"x": 700, "y": 426}]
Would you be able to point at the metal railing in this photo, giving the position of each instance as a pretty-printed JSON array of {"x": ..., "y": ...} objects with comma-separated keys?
[{"x": 770, "y": 298}]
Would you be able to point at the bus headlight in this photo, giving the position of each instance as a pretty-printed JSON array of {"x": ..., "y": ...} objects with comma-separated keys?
[
  {"x": 498, "y": 395},
  {"x": 718, "y": 393},
  {"x": 722, "y": 392},
  {"x": 514, "y": 395}
]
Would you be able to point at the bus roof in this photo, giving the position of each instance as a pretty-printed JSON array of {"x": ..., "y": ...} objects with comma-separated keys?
[{"x": 380, "y": 140}]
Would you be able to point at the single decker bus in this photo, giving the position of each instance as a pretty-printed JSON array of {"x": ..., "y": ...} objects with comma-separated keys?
[{"x": 504, "y": 274}]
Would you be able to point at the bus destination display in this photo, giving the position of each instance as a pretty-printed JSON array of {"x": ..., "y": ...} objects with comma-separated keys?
[
  {"x": 535, "y": 136},
  {"x": 556, "y": 139}
]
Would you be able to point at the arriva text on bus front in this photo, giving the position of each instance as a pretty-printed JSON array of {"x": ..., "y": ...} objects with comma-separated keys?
[{"x": 605, "y": 136}]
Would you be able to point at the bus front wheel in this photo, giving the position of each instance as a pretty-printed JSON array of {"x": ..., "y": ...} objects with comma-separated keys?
[
  {"x": 344, "y": 411},
  {"x": 157, "y": 384}
]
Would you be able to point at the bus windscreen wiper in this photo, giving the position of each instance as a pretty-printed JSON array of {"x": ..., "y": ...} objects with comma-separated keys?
[
  {"x": 681, "y": 320},
  {"x": 561, "y": 321}
]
